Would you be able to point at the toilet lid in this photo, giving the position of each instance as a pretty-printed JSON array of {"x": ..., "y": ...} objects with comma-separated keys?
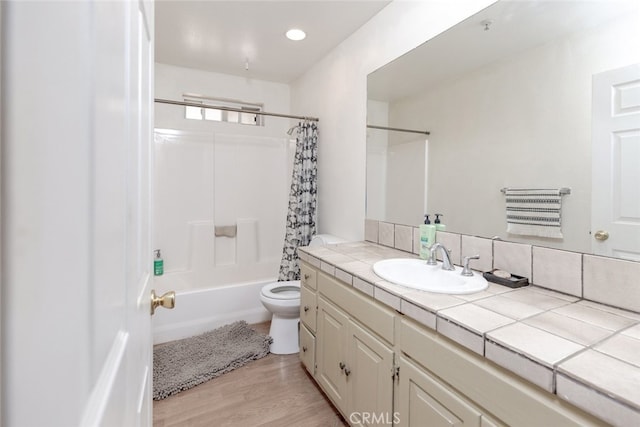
[{"x": 282, "y": 290}]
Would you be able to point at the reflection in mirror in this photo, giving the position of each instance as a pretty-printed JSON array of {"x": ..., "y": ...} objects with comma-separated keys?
[
  {"x": 511, "y": 106},
  {"x": 396, "y": 170}
]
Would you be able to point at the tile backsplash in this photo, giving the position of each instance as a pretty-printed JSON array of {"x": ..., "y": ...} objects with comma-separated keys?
[
  {"x": 512, "y": 257},
  {"x": 472, "y": 245},
  {"x": 557, "y": 269},
  {"x": 601, "y": 279},
  {"x": 611, "y": 281},
  {"x": 386, "y": 234}
]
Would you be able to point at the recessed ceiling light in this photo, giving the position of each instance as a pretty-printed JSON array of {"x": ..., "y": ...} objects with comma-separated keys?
[{"x": 296, "y": 34}]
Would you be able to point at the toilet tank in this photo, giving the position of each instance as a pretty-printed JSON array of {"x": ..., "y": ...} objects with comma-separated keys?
[{"x": 325, "y": 239}]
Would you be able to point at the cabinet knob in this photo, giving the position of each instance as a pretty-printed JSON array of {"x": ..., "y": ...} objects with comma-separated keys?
[
  {"x": 306, "y": 308},
  {"x": 347, "y": 371},
  {"x": 304, "y": 348},
  {"x": 601, "y": 235},
  {"x": 306, "y": 276},
  {"x": 342, "y": 366}
]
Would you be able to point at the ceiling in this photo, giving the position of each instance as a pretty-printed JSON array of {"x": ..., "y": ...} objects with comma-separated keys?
[
  {"x": 226, "y": 36},
  {"x": 515, "y": 26}
]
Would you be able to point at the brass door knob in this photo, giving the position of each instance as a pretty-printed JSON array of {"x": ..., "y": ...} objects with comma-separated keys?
[
  {"x": 601, "y": 235},
  {"x": 167, "y": 300}
]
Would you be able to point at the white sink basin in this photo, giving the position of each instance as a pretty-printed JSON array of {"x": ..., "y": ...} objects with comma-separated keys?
[{"x": 416, "y": 274}]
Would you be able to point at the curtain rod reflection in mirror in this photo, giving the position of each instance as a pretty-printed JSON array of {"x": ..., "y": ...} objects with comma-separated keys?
[
  {"x": 423, "y": 132},
  {"x": 237, "y": 110}
]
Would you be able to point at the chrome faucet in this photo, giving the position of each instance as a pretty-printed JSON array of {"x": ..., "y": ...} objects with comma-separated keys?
[{"x": 446, "y": 261}]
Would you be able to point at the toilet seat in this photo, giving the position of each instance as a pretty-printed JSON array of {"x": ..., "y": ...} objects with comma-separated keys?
[{"x": 282, "y": 290}]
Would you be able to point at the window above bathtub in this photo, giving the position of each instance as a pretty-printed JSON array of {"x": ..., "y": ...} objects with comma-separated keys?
[{"x": 230, "y": 110}]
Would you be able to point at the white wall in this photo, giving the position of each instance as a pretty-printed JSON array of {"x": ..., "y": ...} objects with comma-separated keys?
[
  {"x": 211, "y": 174},
  {"x": 335, "y": 90},
  {"x": 524, "y": 121},
  {"x": 173, "y": 82}
]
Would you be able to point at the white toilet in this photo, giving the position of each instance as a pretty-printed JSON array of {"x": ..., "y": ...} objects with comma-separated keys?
[{"x": 282, "y": 299}]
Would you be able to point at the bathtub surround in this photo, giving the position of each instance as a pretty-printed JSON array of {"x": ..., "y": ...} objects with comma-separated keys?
[
  {"x": 301, "y": 215},
  {"x": 208, "y": 179}
]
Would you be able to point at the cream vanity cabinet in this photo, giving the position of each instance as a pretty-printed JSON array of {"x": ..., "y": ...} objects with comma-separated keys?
[
  {"x": 370, "y": 359},
  {"x": 423, "y": 398},
  {"x": 447, "y": 385},
  {"x": 354, "y": 367},
  {"x": 354, "y": 364},
  {"x": 308, "y": 310}
]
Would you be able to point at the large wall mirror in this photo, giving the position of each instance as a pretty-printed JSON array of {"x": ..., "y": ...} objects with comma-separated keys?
[{"x": 517, "y": 96}]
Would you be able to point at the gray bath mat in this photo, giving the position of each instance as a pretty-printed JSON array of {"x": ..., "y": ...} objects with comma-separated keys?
[{"x": 183, "y": 364}]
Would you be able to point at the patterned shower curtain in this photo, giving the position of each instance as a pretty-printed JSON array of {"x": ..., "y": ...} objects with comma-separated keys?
[{"x": 301, "y": 216}]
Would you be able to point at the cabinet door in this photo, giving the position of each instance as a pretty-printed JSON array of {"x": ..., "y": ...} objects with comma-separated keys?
[
  {"x": 307, "y": 349},
  {"x": 369, "y": 374},
  {"x": 426, "y": 402},
  {"x": 308, "y": 307},
  {"x": 308, "y": 275},
  {"x": 331, "y": 351}
]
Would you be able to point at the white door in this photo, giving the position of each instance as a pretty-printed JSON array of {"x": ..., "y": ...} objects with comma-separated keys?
[
  {"x": 76, "y": 255},
  {"x": 615, "y": 219}
]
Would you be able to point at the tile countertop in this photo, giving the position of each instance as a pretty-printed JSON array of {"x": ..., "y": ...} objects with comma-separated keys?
[{"x": 586, "y": 353}]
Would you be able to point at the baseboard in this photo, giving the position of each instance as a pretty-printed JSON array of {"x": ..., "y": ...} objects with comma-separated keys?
[{"x": 176, "y": 331}]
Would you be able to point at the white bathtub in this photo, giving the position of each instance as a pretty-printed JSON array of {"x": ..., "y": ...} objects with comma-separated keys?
[{"x": 202, "y": 310}]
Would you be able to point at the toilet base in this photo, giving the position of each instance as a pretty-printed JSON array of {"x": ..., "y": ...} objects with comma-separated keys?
[{"x": 284, "y": 331}]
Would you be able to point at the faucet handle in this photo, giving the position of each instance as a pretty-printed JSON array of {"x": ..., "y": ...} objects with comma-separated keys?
[
  {"x": 466, "y": 271},
  {"x": 431, "y": 259}
]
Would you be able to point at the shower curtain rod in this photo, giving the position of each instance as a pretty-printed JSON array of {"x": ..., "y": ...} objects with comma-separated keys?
[
  {"x": 237, "y": 110},
  {"x": 423, "y": 132}
]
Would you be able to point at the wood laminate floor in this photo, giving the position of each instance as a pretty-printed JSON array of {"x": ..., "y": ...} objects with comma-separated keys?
[{"x": 273, "y": 391}]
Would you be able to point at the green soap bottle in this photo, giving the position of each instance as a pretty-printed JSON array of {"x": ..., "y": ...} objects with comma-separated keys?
[
  {"x": 439, "y": 225},
  {"x": 158, "y": 264},
  {"x": 427, "y": 237}
]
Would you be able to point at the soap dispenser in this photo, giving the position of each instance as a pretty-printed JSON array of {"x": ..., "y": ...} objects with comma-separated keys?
[
  {"x": 158, "y": 264},
  {"x": 438, "y": 224},
  {"x": 427, "y": 237}
]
